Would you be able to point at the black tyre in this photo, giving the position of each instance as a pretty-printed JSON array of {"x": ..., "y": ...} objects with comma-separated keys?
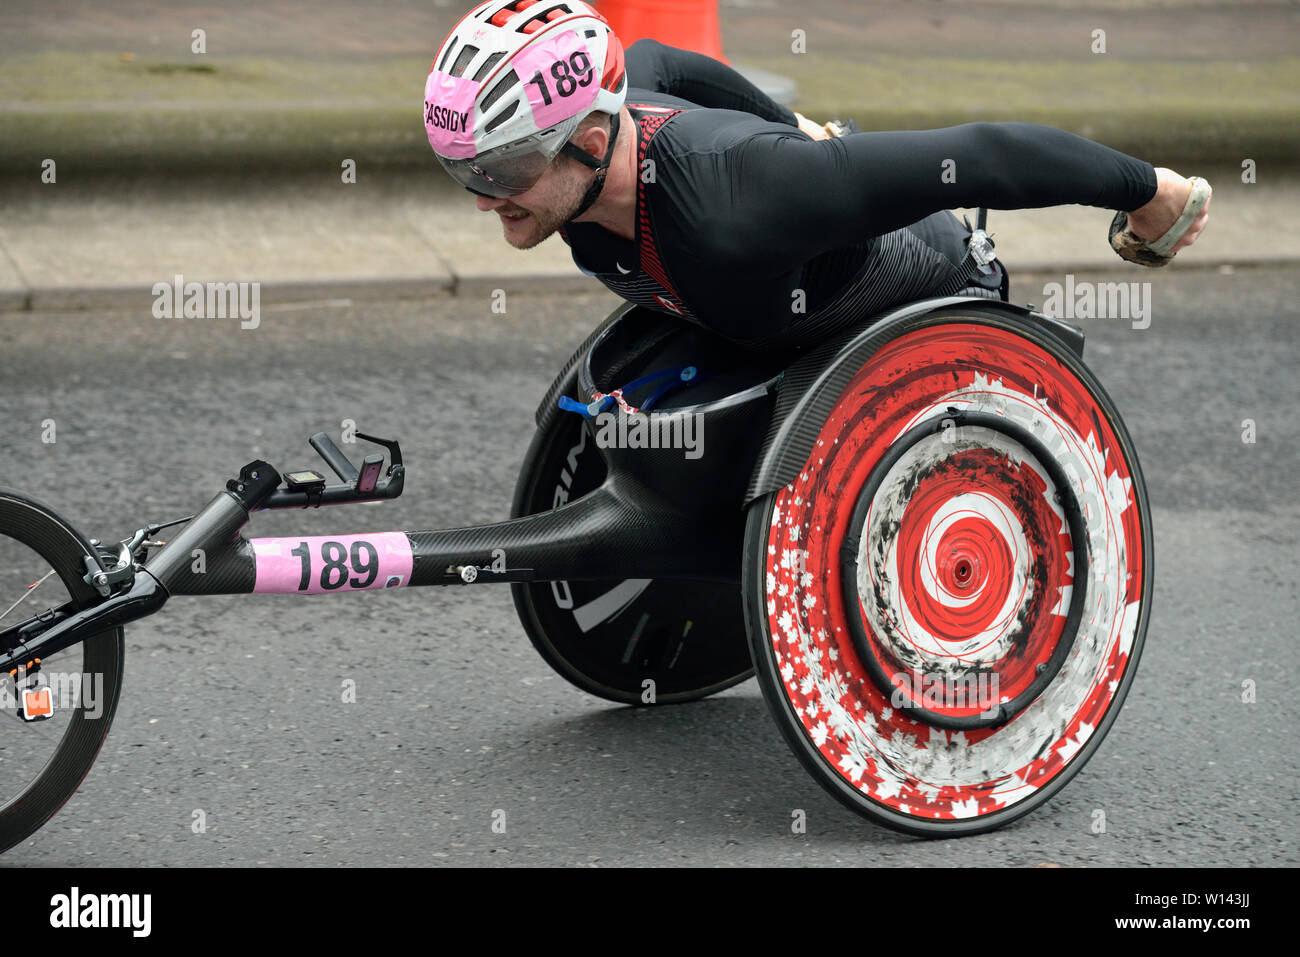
[
  {"x": 42, "y": 763},
  {"x": 947, "y": 605}
]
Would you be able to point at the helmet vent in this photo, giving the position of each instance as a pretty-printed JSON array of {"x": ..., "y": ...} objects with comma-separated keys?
[
  {"x": 462, "y": 61},
  {"x": 498, "y": 91},
  {"x": 446, "y": 54},
  {"x": 542, "y": 17},
  {"x": 488, "y": 64},
  {"x": 504, "y": 115}
]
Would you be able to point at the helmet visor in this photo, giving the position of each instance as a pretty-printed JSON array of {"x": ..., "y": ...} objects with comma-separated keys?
[
  {"x": 497, "y": 179},
  {"x": 505, "y": 171}
]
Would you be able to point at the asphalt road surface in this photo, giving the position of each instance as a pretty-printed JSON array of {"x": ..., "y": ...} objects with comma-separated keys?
[{"x": 233, "y": 705}]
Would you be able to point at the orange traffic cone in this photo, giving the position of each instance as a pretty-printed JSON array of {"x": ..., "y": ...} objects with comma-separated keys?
[{"x": 688, "y": 24}]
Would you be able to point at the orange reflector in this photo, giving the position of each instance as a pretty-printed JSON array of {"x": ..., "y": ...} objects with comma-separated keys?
[{"x": 37, "y": 704}]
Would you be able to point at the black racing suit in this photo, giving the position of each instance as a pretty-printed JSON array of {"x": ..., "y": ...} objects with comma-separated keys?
[{"x": 749, "y": 227}]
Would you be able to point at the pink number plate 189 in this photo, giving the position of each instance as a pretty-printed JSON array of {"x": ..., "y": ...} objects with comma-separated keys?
[{"x": 316, "y": 564}]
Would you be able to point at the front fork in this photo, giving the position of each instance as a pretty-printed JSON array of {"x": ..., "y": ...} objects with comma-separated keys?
[{"x": 140, "y": 590}]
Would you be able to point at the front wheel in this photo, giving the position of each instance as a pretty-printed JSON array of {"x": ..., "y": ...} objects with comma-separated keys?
[
  {"x": 43, "y": 762},
  {"x": 947, "y": 604}
]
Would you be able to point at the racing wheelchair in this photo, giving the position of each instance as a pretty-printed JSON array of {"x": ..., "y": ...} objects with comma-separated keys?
[{"x": 927, "y": 536}]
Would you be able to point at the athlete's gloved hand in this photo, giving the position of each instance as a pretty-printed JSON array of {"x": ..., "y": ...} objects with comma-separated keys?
[{"x": 1150, "y": 223}]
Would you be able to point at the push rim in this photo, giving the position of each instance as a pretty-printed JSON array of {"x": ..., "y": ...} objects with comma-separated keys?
[{"x": 931, "y": 586}]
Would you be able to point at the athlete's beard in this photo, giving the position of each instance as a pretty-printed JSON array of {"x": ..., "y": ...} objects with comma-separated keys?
[{"x": 545, "y": 221}]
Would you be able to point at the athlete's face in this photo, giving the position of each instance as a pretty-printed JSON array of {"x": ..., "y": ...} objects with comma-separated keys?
[{"x": 531, "y": 217}]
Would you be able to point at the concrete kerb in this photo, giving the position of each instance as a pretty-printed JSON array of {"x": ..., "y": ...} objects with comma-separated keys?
[{"x": 406, "y": 236}]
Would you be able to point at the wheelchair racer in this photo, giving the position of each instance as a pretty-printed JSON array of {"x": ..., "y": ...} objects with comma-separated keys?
[{"x": 683, "y": 188}]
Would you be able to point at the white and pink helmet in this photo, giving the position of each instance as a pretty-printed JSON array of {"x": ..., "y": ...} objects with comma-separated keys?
[{"x": 511, "y": 83}]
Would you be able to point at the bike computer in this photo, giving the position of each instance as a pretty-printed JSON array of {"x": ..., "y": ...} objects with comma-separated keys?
[{"x": 305, "y": 480}]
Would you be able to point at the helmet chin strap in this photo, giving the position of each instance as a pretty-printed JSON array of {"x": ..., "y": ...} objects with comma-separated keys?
[{"x": 601, "y": 167}]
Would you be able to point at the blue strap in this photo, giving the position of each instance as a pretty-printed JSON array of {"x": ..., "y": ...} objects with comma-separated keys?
[
  {"x": 680, "y": 375},
  {"x": 587, "y": 411}
]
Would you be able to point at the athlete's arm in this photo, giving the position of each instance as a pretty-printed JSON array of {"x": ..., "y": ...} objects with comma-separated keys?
[
  {"x": 652, "y": 65},
  {"x": 788, "y": 198}
]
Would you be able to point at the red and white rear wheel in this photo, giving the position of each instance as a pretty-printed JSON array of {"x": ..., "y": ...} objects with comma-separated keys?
[{"x": 947, "y": 604}]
